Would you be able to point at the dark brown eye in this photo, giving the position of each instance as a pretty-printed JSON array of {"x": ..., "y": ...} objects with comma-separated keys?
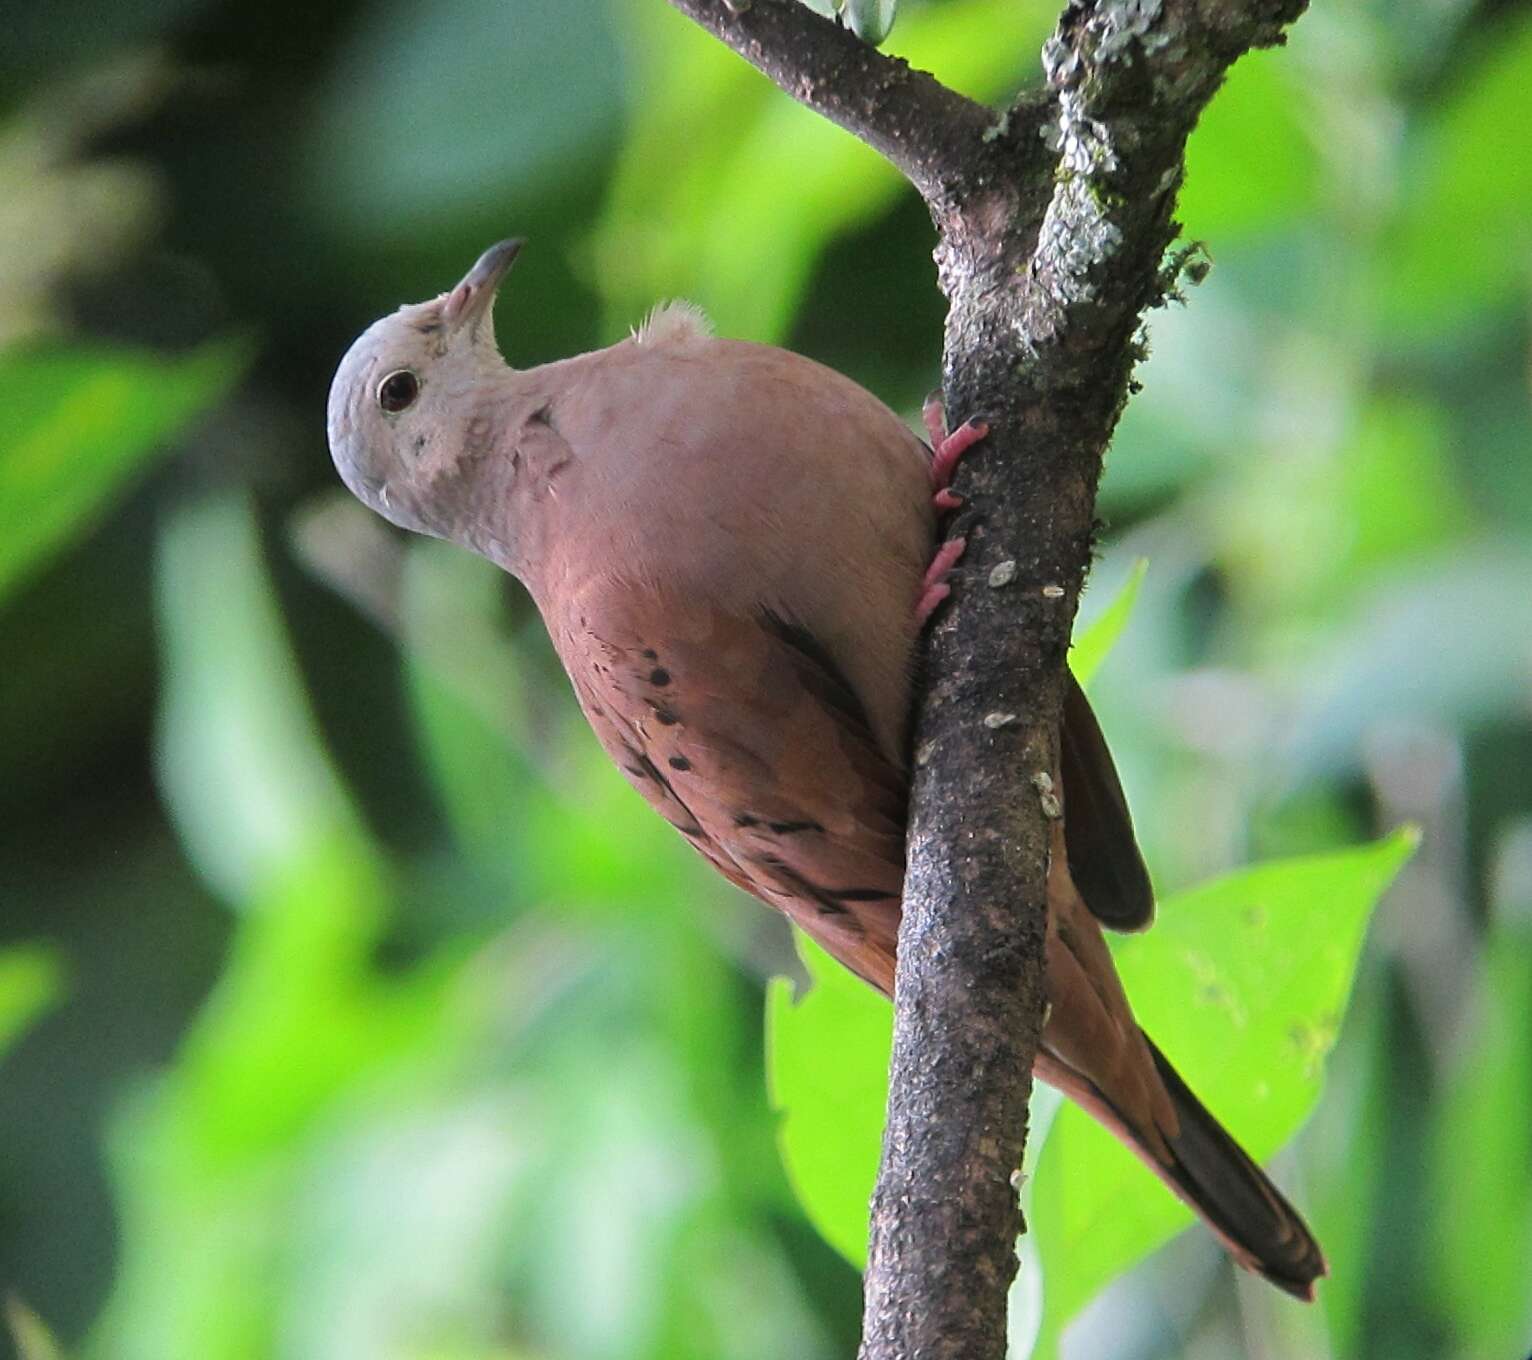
[{"x": 398, "y": 391}]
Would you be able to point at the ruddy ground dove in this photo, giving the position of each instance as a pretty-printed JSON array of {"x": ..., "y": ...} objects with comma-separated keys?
[{"x": 729, "y": 544}]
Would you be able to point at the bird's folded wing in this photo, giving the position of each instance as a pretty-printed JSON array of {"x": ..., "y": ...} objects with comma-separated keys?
[
  {"x": 1104, "y": 858},
  {"x": 742, "y": 731}
]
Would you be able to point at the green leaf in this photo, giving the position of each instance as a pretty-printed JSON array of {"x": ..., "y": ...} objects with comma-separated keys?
[
  {"x": 827, "y": 1067},
  {"x": 31, "y": 981},
  {"x": 1255, "y": 934},
  {"x": 1090, "y": 648},
  {"x": 82, "y": 423},
  {"x": 1243, "y": 983}
]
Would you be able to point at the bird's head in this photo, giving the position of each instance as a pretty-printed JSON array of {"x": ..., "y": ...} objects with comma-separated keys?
[{"x": 402, "y": 403}]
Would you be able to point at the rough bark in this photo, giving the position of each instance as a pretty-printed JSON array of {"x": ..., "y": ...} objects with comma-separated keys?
[{"x": 1053, "y": 220}]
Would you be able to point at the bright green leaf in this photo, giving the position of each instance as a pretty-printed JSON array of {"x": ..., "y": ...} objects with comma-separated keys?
[
  {"x": 1243, "y": 983},
  {"x": 827, "y": 1065},
  {"x": 81, "y": 423},
  {"x": 1250, "y": 935},
  {"x": 1090, "y": 648}
]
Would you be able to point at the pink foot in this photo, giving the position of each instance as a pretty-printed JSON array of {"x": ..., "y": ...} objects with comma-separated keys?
[
  {"x": 934, "y": 588},
  {"x": 947, "y": 449}
]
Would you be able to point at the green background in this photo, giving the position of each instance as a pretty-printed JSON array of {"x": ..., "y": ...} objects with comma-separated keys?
[{"x": 352, "y": 1006}]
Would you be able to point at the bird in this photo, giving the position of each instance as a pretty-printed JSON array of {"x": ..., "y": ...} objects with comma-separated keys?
[{"x": 734, "y": 549}]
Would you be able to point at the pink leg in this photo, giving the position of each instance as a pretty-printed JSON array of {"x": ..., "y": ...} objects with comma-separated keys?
[
  {"x": 947, "y": 449},
  {"x": 934, "y": 588}
]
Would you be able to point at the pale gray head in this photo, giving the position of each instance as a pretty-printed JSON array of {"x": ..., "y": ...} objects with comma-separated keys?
[{"x": 405, "y": 393}]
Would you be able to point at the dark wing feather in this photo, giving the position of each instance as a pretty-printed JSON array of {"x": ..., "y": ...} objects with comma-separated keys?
[
  {"x": 1104, "y": 859},
  {"x": 743, "y": 732}
]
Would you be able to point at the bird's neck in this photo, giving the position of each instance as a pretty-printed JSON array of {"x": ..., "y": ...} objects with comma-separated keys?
[{"x": 516, "y": 469}]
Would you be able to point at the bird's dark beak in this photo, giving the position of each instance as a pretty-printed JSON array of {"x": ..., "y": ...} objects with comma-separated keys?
[{"x": 470, "y": 301}]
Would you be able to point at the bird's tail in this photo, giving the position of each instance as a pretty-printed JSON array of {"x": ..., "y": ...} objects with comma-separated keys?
[
  {"x": 1208, "y": 1170},
  {"x": 1214, "y": 1175}
]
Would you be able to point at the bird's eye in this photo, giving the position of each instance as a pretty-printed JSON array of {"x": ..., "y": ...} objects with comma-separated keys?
[{"x": 398, "y": 391}]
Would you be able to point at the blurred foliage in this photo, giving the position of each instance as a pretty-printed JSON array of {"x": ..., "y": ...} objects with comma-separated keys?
[
  {"x": 86, "y": 423},
  {"x": 351, "y": 1005},
  {"x": 29, "y": 984}
]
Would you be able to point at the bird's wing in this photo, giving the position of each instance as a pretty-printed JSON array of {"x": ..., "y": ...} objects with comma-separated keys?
[
  {"x": 1104, "y": 858},
  {"x": 743, "y": 732}
]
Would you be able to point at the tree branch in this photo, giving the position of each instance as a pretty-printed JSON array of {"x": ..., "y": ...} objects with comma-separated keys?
[
  {"x": 907, "y": 115},
  {"x": 1049, "y": 254}
]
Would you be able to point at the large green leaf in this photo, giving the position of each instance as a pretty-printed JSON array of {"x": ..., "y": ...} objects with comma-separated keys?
[
  {"x": 827, "y": 1065},
  {"x": 1266, "y": 956},
  {"x": 1243, "y": 983},
  {"x": 81, "y": 423}
]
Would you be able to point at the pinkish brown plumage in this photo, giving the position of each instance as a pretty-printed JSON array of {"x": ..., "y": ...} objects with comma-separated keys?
[{"x": 729, "y": 545}]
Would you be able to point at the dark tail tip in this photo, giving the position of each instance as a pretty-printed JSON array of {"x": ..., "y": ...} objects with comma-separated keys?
[{"x": 1217, "y": 1177}]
